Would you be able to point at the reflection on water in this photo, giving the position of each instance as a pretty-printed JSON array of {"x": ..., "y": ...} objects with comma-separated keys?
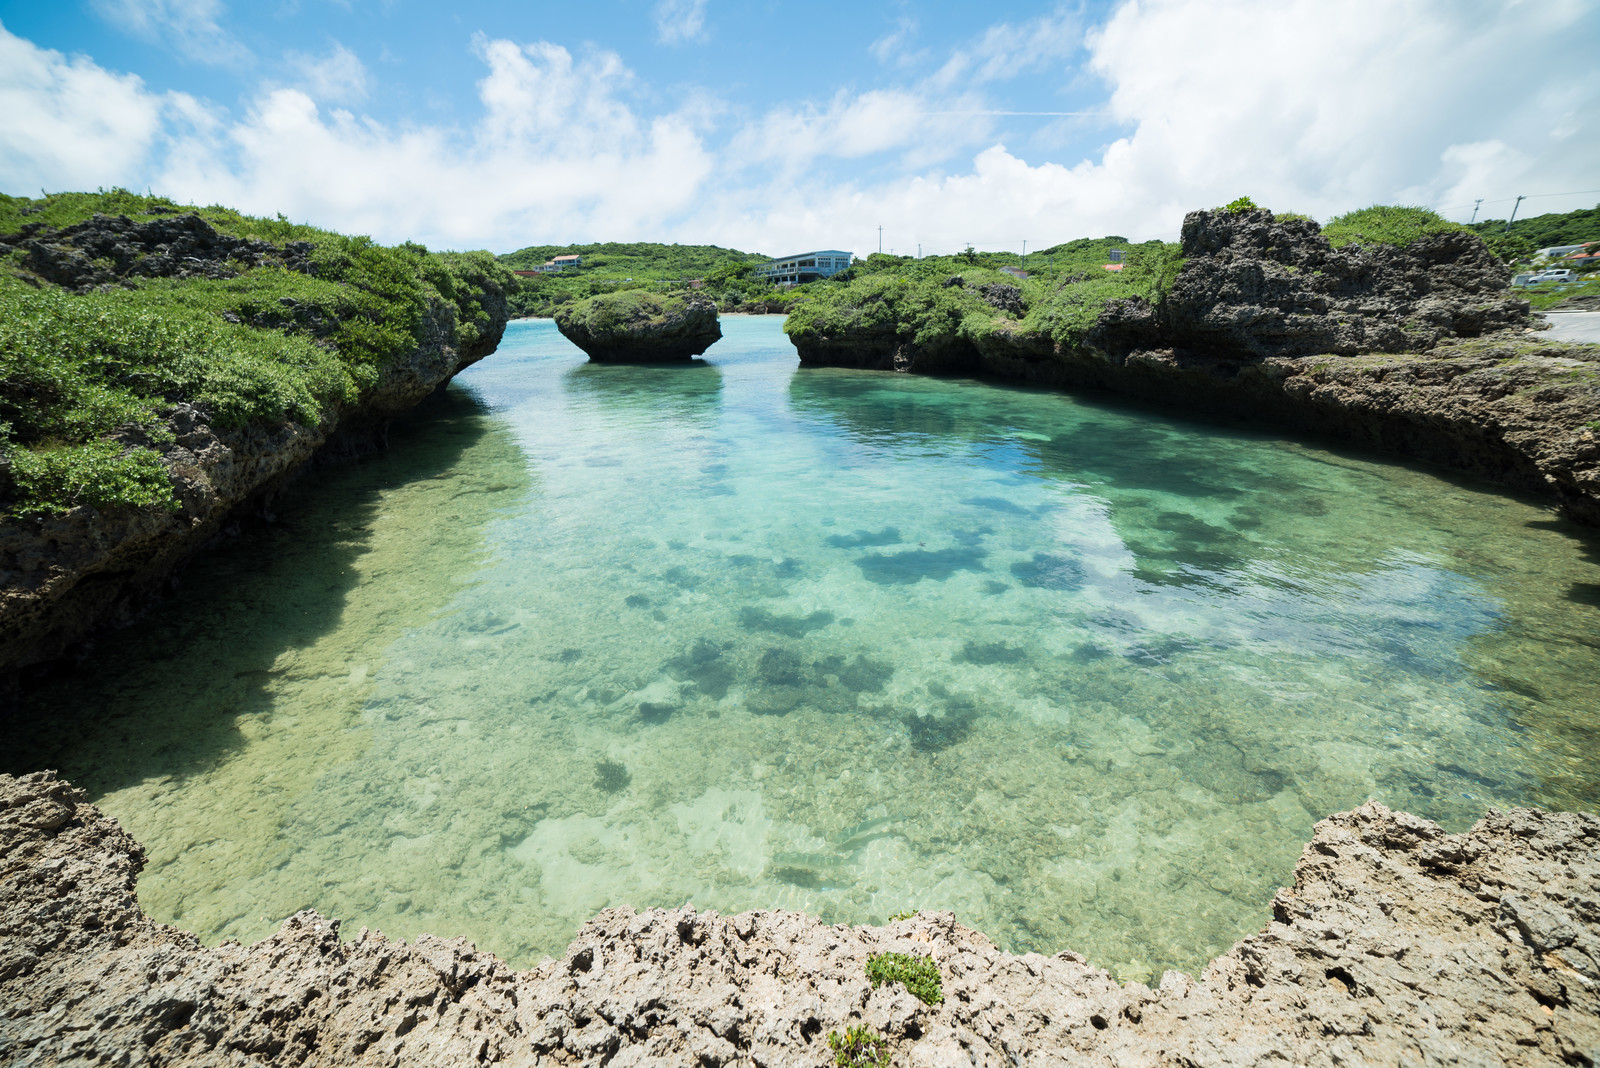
[{"x": 840, "y": 641}]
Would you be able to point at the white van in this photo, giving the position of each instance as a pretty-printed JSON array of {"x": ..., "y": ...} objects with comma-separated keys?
[{"x": 1559, "y": 276}]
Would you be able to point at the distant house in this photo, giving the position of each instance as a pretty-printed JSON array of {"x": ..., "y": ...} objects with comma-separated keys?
[
  {"x": 1014, "y": 272},
  {"x": 1557, "y": 250},
  {"x": 804, "y": 267},
  {"x": 555, "y": 266},
  {"x": 1583, "y": 254},
  {"x": 1112, "y": 266}
]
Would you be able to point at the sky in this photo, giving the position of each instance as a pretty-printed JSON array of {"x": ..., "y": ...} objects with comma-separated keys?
[{"x": 780, "y": 127}]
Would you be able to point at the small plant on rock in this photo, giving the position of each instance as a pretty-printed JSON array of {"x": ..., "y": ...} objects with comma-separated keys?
[
  {"x": 906, "y": 915},
  {"x": 919, "y": 975},
  {"x": 859, "y": 1047},
  {"x": 1241, "y": 205}
]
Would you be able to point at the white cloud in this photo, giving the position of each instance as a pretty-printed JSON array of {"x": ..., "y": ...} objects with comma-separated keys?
[
  {"x": 679, "y": 21},
  {"x": 894, "y": 46},
  {"x": 1302, "y": 105},
  {"x": 69, "y": 124},
  {"x": 336, "y": 78},
  {"x": 189, "y": 27},
  {"x": 1006, "y": 50},
  {"x": 854, "y": 125}
]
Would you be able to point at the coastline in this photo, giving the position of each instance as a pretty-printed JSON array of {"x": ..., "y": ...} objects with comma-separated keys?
[{"x": 1396, "y": 941}]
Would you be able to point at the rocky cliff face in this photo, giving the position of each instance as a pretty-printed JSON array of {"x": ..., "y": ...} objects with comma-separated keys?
[
  {"x": 63, "y": 577},
  {"x": 637, "y": 327},
  {"x": 1397, "y": 944},
  {"x": 1255, "y": 285},
  {"x": 107, "y": 249}
]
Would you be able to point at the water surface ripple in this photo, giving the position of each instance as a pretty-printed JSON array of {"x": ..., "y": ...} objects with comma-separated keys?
[{"x": 748, "y": 635}]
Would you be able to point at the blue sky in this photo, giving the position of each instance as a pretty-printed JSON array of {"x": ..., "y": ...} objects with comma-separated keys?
[{"x": 777, "y": 126}]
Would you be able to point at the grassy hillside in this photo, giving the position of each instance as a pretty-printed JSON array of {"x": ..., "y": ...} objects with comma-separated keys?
[
  {"x": 610, "y": 266},
  {"x": 641, "y": 261},
  {"x": 87, "y": 379},
  {"x": 936, "y": 300},
  {"x": 1543, "y": 231}
]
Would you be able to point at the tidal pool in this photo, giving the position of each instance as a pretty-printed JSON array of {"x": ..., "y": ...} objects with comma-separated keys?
[{"x": 749, "y": 635}]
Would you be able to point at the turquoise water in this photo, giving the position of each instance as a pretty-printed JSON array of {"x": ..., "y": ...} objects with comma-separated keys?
[{"x": 748, "y": 635}]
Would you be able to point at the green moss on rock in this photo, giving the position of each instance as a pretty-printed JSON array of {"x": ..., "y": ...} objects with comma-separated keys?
[{"x": 635, "y": 326}]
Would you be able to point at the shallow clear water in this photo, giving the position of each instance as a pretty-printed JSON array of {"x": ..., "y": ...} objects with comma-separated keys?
[{"x": 753, "y": 636}]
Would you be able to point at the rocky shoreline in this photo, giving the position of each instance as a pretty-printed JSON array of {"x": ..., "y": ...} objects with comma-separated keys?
[
  {"x": 1397, "y": 944},
  {"x": 64, "y": 577},
  {"x": 1419, "y": 352}
]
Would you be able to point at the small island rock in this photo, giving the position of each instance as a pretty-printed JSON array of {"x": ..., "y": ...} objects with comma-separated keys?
[{"x": 634, "y": 326}]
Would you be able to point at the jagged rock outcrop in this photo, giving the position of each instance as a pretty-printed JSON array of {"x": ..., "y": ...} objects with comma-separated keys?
[
  {"x": 1419, "y": 351},
  {"x": 63, "y": 577},
  {"x": 1257, "y": 285},
  {"x": 638, "y": 327},
  {"x": 106, "y": 249},
  {"x": 1398, "y": 944}
]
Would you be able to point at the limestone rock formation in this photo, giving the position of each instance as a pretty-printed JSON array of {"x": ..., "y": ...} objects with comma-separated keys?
[
  {"x": 1257, "y": 285},
  {"x": 62, "y": 577},
  {"x": 639, "y": 327},
  {"x": 1397, "y": 944},
  {"x": 108, "y": 248}
]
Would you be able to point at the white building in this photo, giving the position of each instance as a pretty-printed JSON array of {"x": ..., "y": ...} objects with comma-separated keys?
[{"x": 804, "y": 267}]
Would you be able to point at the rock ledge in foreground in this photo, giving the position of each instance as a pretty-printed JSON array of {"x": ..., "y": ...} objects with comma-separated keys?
[
  {"x": 1398, "y": 944},
  {"x": 638, "y": 327}
]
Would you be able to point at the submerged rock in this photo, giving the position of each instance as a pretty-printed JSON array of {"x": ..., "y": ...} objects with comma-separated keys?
[
  {"x": 638, "y": 327},
  {"x": 1397, "y": 943}
]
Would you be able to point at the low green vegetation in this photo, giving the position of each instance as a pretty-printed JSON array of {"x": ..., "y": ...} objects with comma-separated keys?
[
  {"x": 1386, "y": 225},
  {"x": 87, "y": 380},
  {"x": 606, "y": 313},
  {"x": 726, "y": 273},
  {"x": 919, "y": 975},
  {"x": 1547, "y": 231},
  {"x": 859, "y": 1047},
  {"x": 941, "y": 300},
  {"x": 905, "y": 915}
]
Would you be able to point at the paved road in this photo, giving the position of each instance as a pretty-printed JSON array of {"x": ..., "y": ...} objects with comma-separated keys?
[{"x": 1573, "y": 326}]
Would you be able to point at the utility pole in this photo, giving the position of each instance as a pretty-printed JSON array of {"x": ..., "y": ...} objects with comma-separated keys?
[
  {"x": 1475, "y": 204},
  {"x": 919, "y": 250},
  {"x": 880, "y": 240},
  {"x": 1514, "y": 208},
  {"x": 1024, "y": 248}
]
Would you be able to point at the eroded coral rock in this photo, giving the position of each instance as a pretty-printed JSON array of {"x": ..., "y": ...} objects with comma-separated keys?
[
  {"x": 638, "y": 327},
  {"x": 1254, "y": 284},
  {"x": 1397, "y": 944}
]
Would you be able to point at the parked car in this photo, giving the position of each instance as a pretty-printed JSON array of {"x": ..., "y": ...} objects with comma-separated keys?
[{"x": 1558, "y": 276}]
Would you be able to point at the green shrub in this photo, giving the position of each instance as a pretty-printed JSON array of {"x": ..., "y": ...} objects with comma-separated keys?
[
  {"x": 919, "y": 311},
  {"x": 98, "y": 473},
  {"x": 919, "y": 975},
  {"x": 859, "y": 1047},
  {"x": 87, "y": 380},
  {"x": 1386, "y": 225},
  {"x": 1243, "y": 204}
]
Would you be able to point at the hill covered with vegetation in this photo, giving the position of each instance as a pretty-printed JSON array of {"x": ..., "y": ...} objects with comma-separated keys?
[
  {"x": 612, "y": 266},
  {"x": 115, "y": 309},
  {"x": 1545, "y": 231}
]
